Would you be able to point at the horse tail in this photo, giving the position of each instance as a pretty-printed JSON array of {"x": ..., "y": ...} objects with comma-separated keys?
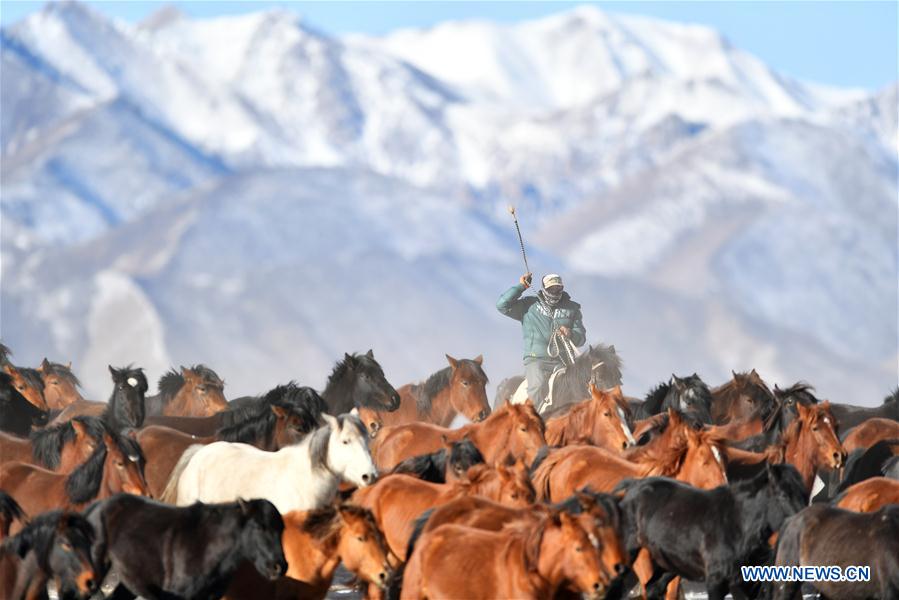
[
  {"x": 170, "y": 493},
  {"x": 396, "y": 582},
  {"x": 9, "y": 508},
  {"x": 540, "y": 473}
]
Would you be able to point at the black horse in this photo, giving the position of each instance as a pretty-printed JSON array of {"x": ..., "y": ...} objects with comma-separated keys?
[
  {"x": 865, "y": 463},
  {"x": 126, "y": 407},
  {"x": 779, "y": 416},
  {"x": 825, "y": 535},
  {"x": 706, "y": 535},
  {"x": 9, "y": 511},
  {"x": 53, "y": 546},
  {"x": 18, "y": 415},
  {"x": 254, "y": 422},
  {"x": 689, "y": 395},
  {"x": 434, "y": 466},
  {"x": 848, "y": 415},
  {"x": 161, "y": 551},
  {"x": 358, "y": 380}
]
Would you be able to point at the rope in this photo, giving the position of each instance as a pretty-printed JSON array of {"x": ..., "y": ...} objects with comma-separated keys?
[
  {"x": 554, "y": 348},
  {"x": 520, "y": 241}
]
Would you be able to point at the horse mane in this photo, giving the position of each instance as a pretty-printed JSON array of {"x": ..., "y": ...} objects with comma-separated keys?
[
  {"x": 32, "y": 377},
  {"x": 9, "y": 508},
  {"x": 652, "y": 405},
  {"x": 427, "y": 467},
  {"x": 892, "y": 397},
  {"x": 320, "y": 438},
  {"x": 47, "y": 443},
  {"x": 801, "y": 390},
  {"x": 572, "y": 385},
  {"x": 5, "y": 353},
  {"x": 889, "y": 464},
  {"x": 425, "y": 393},
  {"x": 258, "y": 422},
  {"x": 323, "y": 523},
  {"x": 61, "y": 370},
  {"x": 38, "y": 535},
  {"x": 575, "y": 505},
  {"x": 170, "y": 384},
  {"x": 83, "y": 484}
]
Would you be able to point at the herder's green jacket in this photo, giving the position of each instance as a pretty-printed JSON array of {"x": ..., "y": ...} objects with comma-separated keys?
[{"x": 538, "y": 321}]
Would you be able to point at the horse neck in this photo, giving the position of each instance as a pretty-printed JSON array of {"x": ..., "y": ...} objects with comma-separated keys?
[
  {"x": 338, "y": 393},
  {"x": 31, "y": 580},
  {"x": 801, "y": 452},
  {"x": 315, "y": 559},
  {"x": 517, "y": 569},
  {"x": 442, "y": 409}
]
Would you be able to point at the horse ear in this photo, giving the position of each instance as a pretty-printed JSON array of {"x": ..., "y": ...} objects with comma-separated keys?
[
  {"x": 45, "y": 365},
  {"x": 332, "y": 421},
  {"x": 279, "y": 411},
  {"x": 348, "y": 359},
  {"x": 594, "y": 392},
  {"x": 69, "y": 365},
  {"x": 112, "y": 371},
  {"x": 446, "y": 441},
  {"x": 9, "y": 368},
  {"x": 452, "y": 361},
  {"x": 673, "y": 417},
  {"x": 528, "y": 402},
  {"x": 370, "y": 353},
  {"x": 479, "y": 359},
  {"x": 78, "y": 427},
  {"x": 244, "y": 506}
]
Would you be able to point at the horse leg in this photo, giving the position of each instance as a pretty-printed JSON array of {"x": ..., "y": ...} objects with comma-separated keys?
[
  {"x": 643, "y": 568},
  {"x": 673, "y": 592},
  {"x": 658, "y": 587}
]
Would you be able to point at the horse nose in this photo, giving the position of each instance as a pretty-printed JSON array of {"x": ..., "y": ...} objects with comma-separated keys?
[
  {"x": 624, "y": 445},
  {"x": 366, "y": 477},
  {"x": 597, "y": 586},
  {"x": 837, "y": 459},
  {"x": 91, "y": 585},
  {"x": 482, "y": 415},
  {"x": 620, "y": 569},
  {"x": 382, "y": 576}
]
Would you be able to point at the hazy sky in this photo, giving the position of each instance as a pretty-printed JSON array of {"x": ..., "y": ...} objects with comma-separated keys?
[{"x": 840, "y": 43}]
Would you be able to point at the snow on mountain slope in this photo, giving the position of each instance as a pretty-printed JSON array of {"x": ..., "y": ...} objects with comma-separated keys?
[{"x": 569, "y": 59}]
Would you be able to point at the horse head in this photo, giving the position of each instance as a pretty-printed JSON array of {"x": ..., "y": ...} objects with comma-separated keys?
[{"x": 468, "y": 388}]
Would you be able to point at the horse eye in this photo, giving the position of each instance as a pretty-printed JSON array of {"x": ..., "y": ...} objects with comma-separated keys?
[
  {"x": 579, "y": 549},
  {"x": 607, "y": 414},
  {"x": 360, "y": 538},
  {"x": 20, "y": 387},
  {"x": 523, "y": 429},
  {"x": 120, "y": 464},
  {"x": 346, "y": 442},
  {"x": 66, "y": 546},
  {"x": 814, "y": 428}
]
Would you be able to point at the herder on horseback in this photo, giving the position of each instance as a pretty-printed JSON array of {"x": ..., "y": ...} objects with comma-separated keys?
[{"x": 552, "y": 325}]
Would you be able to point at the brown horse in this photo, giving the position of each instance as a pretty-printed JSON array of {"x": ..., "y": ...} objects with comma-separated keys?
[
  {"x": 598, "y": 514},
  {"x": 869, "y": 495},
  {"x": 197, "y": 391},
  {"x": 29, "y": 383},
  {"x": 695, "y": 457},
  {"x": 601, "y": 421},
  {"x": 533, "y": 559},
  {"x": 60, "y": 448},
  {"x": 741, "y": 398},
  {"x": 60, "y": 385},
  {"x": 809, "y": 443},
  {"x": 458, "y": 388},
  {"x": 397, "y": 500},
  {"x": 512, "y": 429},
  {"x": 315, "y": 543},
  {"x": 163, "y": 447},
  {"x": 115, "y": 466},
  {"x": 869, "y": 433}
]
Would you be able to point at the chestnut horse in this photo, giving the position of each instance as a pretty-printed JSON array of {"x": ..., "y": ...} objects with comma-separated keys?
[
  {"x": 396, "y": 500},
  {"x": 601, "y": 421},
  {"x": 115, "y": 466},
  {"x": 695, "y": 457},
  {"x": 194, "y": 392},
  {"x": 60, "y": 448},
  {"x": 869, "y": 495},
  {"x": 512, "y": 429},
  {"x": 371, "y": 418},
  {"x": 869, "y": 433},
  {"x": 745, "y": 396},
  {"x": 598, "y": 514},
  {"x": 809, "y": 443},
  {"x": 29, "y": 383},
  {"x": 60, "y": 385},
  {"x": 532, "y": 559},
  {"x": 315, "y": 543},
  {"x": 458, "y": 388}
]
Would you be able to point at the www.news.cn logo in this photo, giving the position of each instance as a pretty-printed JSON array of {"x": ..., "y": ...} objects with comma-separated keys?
[{"x": 830, "y": 573}]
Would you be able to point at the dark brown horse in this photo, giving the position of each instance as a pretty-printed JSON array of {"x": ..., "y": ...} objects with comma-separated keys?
[
  {"x": 533, "y": 559},
  {"x": 868, "y": 433},
  {"x": 683, "y": 453},
  {"x": 315, "y": 543},
  {"x": 601, "y": 421},
  {"x": 824, "y": 535},
  {"x": 849, "y": 416},
  {"x": 115, "y": 466},
  {"x": 29, "y": 383},
  {"x": 869, "y": 495},
  {"x": 458, "y": 388},
  {"x": 513, "y": 429},
  {"x": 396, "y": 500},
  {"x": 60, "y": 448},
  {"x": 60, "y": 385},
  {"x": 197, "y": 391},
  {"x": 743, "y": 397}
]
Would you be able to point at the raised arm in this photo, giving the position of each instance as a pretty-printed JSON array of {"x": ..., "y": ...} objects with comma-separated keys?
[{"x": 511, "y": 303}]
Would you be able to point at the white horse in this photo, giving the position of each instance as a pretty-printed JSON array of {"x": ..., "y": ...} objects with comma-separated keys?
[{"x": 299, "y": 477}]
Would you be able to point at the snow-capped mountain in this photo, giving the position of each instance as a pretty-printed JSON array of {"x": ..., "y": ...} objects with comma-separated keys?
[{"x": 252, "y": 192}]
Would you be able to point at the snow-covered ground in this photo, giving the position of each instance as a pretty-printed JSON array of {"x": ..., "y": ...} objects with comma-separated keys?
[{"x": 254, "y": 193}]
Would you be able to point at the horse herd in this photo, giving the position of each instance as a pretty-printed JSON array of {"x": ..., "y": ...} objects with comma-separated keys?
[{"x": 188, "y": 495}]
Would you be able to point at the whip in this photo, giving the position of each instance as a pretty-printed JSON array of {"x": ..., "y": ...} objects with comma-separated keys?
[{"x": 520, "y": 241}]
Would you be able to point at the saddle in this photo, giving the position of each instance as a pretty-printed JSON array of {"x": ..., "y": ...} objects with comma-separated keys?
[{"x": 521, "y": 393}]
